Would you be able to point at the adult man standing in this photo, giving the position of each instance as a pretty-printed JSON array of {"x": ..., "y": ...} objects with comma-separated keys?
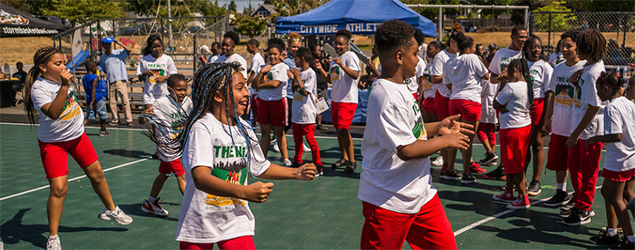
[{"x": 113, "y": 65}]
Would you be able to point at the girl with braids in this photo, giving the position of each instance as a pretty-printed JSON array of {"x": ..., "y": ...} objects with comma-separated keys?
[
  {"x": 219, "y": 151},
  {"x": 52, "y": 101},
  {"x": 539, "y": 76},
  {"x": 583, "y": 158},
  {"x": 514, "y": 103},
  {"x": 154, "y": 69}
]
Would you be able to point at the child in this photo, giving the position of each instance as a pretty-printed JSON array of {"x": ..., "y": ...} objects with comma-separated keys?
[
  {"x": 95, "y": 94},
  {"x": 559, "y": 105},
  {"x": 619, "y": 165},
  {"x": 557, "y": 57},
  {"x": 487, "y": 127},
  {"x": 464, "y": 74},
  {"x": 415, "y": 82},
  {"x": 399, "y": 201},
  {"x": 216, "y": 52},
  {"x": 172, "y": 109},
  {"x": 304, "y": 108},
  {"x": 49, "y": 96},
  {"x": 539, "y": 76},
  {"x": 514, "y": 102},
  {"x": 230, "y": 40},
  {"x": 257, "y": 61},
  {"x": 271, "y": 84},
  {"x": 428, "y": 89},
  {"x": 216, "y": 140},
  {"x": 153, "y": 69},
  {"x": 583, "y": 159}
]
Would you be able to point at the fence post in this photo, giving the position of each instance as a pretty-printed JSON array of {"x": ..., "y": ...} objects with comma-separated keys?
[
  {"x": 440, "y": 25},
  {"x": 195, "y": 52},
  {"x": 549, "y": 37},
  {"x": 98, "y": 37}
]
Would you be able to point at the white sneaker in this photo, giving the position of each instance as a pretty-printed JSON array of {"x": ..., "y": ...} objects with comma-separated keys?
[
  {"x": 117, "y": 215},
  {"x": 154, "y": 208},
  {"x": 306, "y": 148},
  {"x": 275, "y": 146},
  {"x": 438, "y": 161},
  {"x": 287, "y": 163},
  {"x": 54, "y": 243}
]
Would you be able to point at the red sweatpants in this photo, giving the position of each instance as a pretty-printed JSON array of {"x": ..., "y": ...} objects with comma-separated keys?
[
  {"x": 487, "y": 132},
  {"x": 584, "y": 163},
  {"x": 300, "y": 131},
  {"x": 243, "y": 243},
  {"x": 427, "y": 229}
]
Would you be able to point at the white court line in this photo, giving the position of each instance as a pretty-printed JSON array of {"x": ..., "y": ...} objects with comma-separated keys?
[
  {"x": 483, "y": 221},
  {"x": 73, "y": 179}
]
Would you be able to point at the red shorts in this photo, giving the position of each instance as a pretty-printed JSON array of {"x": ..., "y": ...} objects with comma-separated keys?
[
  {"x": 427, "y": 229},
  {"x": 342, "y": 114},
  {"x": 55, "y": 155},
  {"x": 558, "y": 153},
  {"x": 441, "y": 104},
  {"x": 273, "y": 112},
  {"x": 428, "y": 105},
  {"x": 623, "y": 176},
  {"x": 536, "y": 111},
  {"x": 243, "y": 242},
  {"x": 514, "y": 145},
  {"x": 469, "y": 110},
  {"x": 254, "y": 104},
  {"x": 174, "y": 166}
]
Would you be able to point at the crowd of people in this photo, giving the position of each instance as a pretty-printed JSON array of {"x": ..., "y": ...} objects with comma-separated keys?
[{"x": 423, "y": 99}]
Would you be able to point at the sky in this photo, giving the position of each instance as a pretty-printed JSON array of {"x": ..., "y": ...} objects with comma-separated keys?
[{"x": 241, "y": 3}]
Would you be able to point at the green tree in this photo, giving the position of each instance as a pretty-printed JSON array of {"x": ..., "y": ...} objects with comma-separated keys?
[
  {"x": 558, "y": 22},
  {"x": 79, "y": 11},
  {"x": 250, "y": 26},
  {"x": 232, "y": 7}
]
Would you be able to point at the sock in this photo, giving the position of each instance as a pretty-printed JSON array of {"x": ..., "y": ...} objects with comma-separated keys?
[
  {"x": 612, "y": 231},
  {"x": 54, "y": 236},
  {"x": 631, "y": 238},
  {"x": 151, "y": 199},
  {"x": 562, "y": 186}
]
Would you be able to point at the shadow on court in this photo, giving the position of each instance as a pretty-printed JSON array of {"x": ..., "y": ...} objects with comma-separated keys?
[{"x": 128, "y": 153}]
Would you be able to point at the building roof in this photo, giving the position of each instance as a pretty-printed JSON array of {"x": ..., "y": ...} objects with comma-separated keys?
[{"x": 268, "y": 7}]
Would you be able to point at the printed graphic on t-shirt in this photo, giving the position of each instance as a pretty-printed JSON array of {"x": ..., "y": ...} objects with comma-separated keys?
[
  {"x": 533, "y": 74},
  {"x": 157, "y": 69},
  {"x": 335, "y": 74},
  {"x": 564, "y": 95},
  {"x": 232, "y": 168},
  {"x": 419, "y": 130},
  {"x": 71, "y": 108},
  {"x": 505, "y": 62}
]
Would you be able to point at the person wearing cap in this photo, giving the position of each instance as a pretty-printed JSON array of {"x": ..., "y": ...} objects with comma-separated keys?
[
  {"x": 492, "y": 48},
  {"x": 113, "y": 65}
]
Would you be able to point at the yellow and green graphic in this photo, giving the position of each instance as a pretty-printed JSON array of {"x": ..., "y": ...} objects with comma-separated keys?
[
  {"x": 419, "y": 130},
  {"x": 71, "y": 108},
  {"x": 231, "y": 168}
]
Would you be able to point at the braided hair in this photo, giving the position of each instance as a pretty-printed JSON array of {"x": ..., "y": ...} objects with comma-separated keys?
[
  {"x": 521, "y": 64},
  {"x": 42, "y": 56}
]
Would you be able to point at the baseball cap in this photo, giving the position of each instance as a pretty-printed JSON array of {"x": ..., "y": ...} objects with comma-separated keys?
[
  {"x": 492, "y": 46},
  {"x": 205, "y": 48},
  {"x": 108, "y": 40}
]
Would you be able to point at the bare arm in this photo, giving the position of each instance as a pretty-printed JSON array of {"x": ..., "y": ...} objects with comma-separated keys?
[
  {"x": 437, "y": 79},
  {"x": 269, "y": 84},
  {"x": 604, "y": 139},
  {"x": 54, "y": 109},
  {"x": 277, "y": 172},
  {"x": 454, "y": 136},
  {"x": 204, "y": 181},
  {"x": 549, "y": 100},
  {"x": 126, "y": 48},
  {"x": 93, "y": 92},
  {"x": 586, "y": 120},
  {"x": 494, "y": 78}
]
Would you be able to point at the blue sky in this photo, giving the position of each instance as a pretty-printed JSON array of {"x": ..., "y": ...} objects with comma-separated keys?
[{"x": 241, "y": 3}]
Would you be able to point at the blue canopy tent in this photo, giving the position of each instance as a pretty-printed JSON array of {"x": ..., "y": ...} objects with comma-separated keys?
[{"x": 359, "y": 16}]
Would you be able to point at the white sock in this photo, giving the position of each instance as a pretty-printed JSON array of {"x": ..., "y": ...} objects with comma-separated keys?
[
  {"x": 562, "y": 186},
  {"x": 631, "y": 238},
  {"x": 54, "y": 236},
  {"x": 612, "y": 231},
  {"x": 151, "y": 199}
]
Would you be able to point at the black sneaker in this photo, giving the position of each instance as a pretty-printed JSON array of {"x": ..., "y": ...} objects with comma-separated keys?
[
  {"x": 496, "y": 174},
  {"x": 569, "y": 205},
  {"x": 105, "y": 133},
  {"x": 295, "y": 164},
  {"x": 155, "y": 155},
  {"x": 451, "y": 175},
  {"x": 350, "y": 167},
  {"x": 490, "y": 159},
  {"x": 558, "y": 199},
  {"x": 577, "y": 218},
  {"x": 321, "y": 127},
  {"x": 339, "y": 163},
  {"x": 623, "y": 244},
  {"x": 603, "y": 238},
  {"x": 534, "y": 188},
  {"x": 567, "y": 213},
  {"x": 468, "y": 178}
]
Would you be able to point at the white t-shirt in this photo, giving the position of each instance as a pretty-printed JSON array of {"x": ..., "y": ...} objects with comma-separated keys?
[
  {"x": 304, "y": 109},
  {"x": 344, "y": 87},
  {"x": 214, "y": 58},
  {"x": 429, "y": 89},
  {"x": 515, "y": 98},
  {"x": 174, "y": 116},
  {"x": 619, "y": 115},
  {"x": 488, "y": 113},
  {"x": 586, "y": 94},
  {"x": 563, "y": 92},
  {"x": 278, "y": 73},
  {"x": 437, "y": 70},
  {"x": 257, "y": 61},
  {"x": 208, "y": 218},
  {"x": 412, "y": 83},
  {"x": 235, "y": 58},
  {"x": 556, "y": 57},
  {"x": 70, "y": 124},
  {"x": 540, "y": 74},
  {"x": 162, "y": 66},
  {"x": 464, "y": 73},
  {"x": 502, "y": 58},
  {"x": 394, "y": 119}
]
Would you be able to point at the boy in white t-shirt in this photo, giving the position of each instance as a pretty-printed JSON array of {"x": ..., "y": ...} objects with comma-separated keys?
[
  {"x": 619, "y": 165},
  {"x": 257, "y": 61},
  {"x": 172, "y": 109},
  {"x": 304, "y": 109},
  {"x": 399, "y": 201}
]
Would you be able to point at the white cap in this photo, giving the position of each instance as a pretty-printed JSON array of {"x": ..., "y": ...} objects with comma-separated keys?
[{"x": 205, "y": 48}]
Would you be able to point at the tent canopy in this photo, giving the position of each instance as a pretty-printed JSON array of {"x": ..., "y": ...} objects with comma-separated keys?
[
  {"x": 359, "y": 16},
  {"x": 17, "y": 23}
]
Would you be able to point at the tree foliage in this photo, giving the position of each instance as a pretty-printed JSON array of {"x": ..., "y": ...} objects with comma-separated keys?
[
  {"x": 178, "y": 8},
  {"x": 232, "y": 7},
  {"x": 544, "y": 22},
  {"x": 79, "y": 11},
  {"x": 250, "y": 26}
]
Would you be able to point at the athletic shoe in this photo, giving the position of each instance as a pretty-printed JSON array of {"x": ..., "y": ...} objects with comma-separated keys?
[
  {"x": 130, "y": 124},
  {"x": 468, "y": 179},
  {"x": 558, "y": 199},
  {"x": 154, "y": 208},
  {"x": 623, "y": 244},
  {"x": 296, "y": 164},
  {"x": 275, "y": 146},
  {"x": 321, "y": 127},
  {"x": 155, "y": 155},
  {"x": 577, "y": 218},
  {"x": 603, "y": 238},
  {"x": 350, "y": 167},
  {"x": 570, "y": 205},
  {"x": 339, "y": 163},
  {"x": 504, "y": 197},
  {"x": 287, "y": 163},
  {"x": 443, "y": 169},
  {"x": 520, "y": 203},
  {"x": 451, "y": 175},
  {"x": 496, "y": 174},
  {"x": 320, "y": 170},
  {"x": 476, "y": 169},
  {"x": 534, "y": 188},
  {"x": 438, "y": 161},
  {"x": 104, "y": 133},
  {"x": 490, "y": 159},
  {"x": 305, "y": 148},
  {"x": 566, "y": 213},
  {"x": 117, "y": 215},
  {"x": 54, "y": 243},
  {"x": 113, "y": 123}
]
